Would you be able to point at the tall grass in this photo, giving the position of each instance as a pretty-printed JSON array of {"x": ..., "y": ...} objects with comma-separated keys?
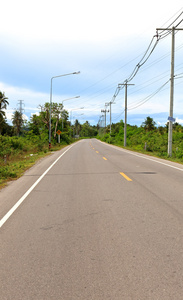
[
  {"x": 17, "y": 154},
  {"x": 153, "y": 142}
]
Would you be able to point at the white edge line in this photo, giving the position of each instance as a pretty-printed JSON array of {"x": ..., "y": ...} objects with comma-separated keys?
[
  {"x": 12, "y": 210},
  {"x": 142, "y": 156}
]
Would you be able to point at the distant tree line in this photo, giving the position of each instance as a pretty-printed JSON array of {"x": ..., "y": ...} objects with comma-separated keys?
[
  {"x": 39, "y": 124},
  {"x": 147, "y": 137}
]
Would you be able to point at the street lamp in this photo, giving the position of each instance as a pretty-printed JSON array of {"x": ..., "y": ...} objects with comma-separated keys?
[
  {"x": 51, "y": 101},
  {"x": 71, "y": 114},
  {"x": 63, "y": 106},
  {"x": 73, "y": 118},
  {"x": 69, "y": 99}
]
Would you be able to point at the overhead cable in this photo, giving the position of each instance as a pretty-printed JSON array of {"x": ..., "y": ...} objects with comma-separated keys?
[
  {"x": 141, "y": 102},
  {"x": 146, "y": 56}
]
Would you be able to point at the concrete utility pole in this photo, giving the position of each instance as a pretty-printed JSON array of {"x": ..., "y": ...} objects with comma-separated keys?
[
  {"x": 104, "y": 111},
  {"x": 100, "y": 124},
  {"x": 126, "y": 85},
  {"x": 110, "y": 116},
  {"x": 109, "y": 104},
  {"x": 170, "y": 118}
]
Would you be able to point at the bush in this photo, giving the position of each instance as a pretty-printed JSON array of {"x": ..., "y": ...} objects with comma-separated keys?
[
  {"x": 5, "y": 172},
  {"x": 16, "y": 143},
  {"x": 65, "y": 138}
]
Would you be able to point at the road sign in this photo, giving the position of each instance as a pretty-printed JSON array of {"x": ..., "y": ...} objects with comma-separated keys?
[
  {"x": 59, "y": 132},
  {"x": 171, "y": 119}
]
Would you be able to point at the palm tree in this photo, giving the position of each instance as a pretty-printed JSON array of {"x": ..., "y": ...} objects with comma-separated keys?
[
  {"x": 17, "y": 121},
  {"x": 3, "y": 105},
  {"x": 149, "y": 124},
  {"x": 77, "y": 127}
]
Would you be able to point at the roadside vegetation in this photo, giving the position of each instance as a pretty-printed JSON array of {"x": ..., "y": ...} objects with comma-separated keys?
[
  {"x": 148, "y": 138},
  {"x": 22, "y": 143}
]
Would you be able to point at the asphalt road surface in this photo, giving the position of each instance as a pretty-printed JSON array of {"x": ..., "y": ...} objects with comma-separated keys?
[{"x": 101, "y": 223}]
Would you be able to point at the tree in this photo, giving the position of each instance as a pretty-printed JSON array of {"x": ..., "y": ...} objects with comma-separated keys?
[
  {"x": 56, "y": 111},
  {"x": 77, "y": 127},
  {"x": 88, "y": 130},
  {"x": 149, "y": 124},
  {"x": 17, "y": 121},
  {"x": 3, "y": 105},
  {"x": 177, "y": 127},
  {"x": 45, "y": 114},
  {"x": 65, "y": 118},
  {"x": 35, "y": 124}
]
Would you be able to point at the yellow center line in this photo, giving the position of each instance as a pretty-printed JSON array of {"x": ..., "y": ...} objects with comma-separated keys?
[
  {"x": 104, "y": 158},
  {"x": 125, "y": 176}
]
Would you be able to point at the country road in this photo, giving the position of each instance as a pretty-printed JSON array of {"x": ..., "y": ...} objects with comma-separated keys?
[{"x": 93, "y": 222}]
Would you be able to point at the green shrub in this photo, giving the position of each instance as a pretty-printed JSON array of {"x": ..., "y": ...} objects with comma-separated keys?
[
  {"x": 16, "y": 143},
  {"x": 5, "y": 172}
]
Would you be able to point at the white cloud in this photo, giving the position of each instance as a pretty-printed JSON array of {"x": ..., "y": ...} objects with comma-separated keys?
[
  {"x": 100, "y": 38},
  {"x": 9, "y": 115},
  {"x": 31, "y": 98},
  {"x": 180, "y": 121},
  {"x": 37, "y": 113},
  {"x": 83, "y": 19},
  {"x": 25, "y": 118}
]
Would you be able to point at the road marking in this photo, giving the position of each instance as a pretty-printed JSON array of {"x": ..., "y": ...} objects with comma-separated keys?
[
  {"x": 12, "y": 210},
  {"x": 125, "y": 176},
  {"x": 97, "y": 152},
  {"x": 104, "y": 158}
]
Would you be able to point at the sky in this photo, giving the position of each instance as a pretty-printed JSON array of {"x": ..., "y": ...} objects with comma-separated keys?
[{"x": 105, "y": 41}]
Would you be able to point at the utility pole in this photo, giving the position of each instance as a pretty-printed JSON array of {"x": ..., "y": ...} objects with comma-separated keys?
[
  {"x": 109, "y": 104},
  {"x": 170, "y": 118},
  {"x": 103, "y": 121},
  {"x": 100, "y": 124},
  {"x": 126, "y": 85},
  {"x": 110, "y": 117},
  {"x": 104, "y": 111}
]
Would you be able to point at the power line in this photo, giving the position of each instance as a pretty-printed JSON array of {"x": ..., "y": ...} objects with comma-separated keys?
[
  {"x": 138, "y": 56},
  {"x": 165, "y": 29},
  {"x": 151, "y": 47},
  {"x": 141, "y": 102},
  {"x": 119, "y": 115},
  {"x": 144, "y": 59}
]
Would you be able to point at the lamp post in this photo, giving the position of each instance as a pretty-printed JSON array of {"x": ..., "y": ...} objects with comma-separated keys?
[
  {"x": 75, "y": 124},
  {"x": 71, "y": 115},
  {"x": 51, "y": 101},
  {"x": 63, "y": 106}
]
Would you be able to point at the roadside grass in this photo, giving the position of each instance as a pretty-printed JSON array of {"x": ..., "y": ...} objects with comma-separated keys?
[
  {"x": 153, "y": 153},
  {"x": 14, "y": 166},
  {"x": 152, "y": 143}
]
